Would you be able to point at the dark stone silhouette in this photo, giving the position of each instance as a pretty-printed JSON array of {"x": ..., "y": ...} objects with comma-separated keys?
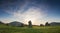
[
  {"x": 41, "y": 25},
  {"x": 47, "y": 24},
  {"x": 1, "y": 22},
  {"x": 7, "y": 24},
  {"x": 30, "y": 24}
]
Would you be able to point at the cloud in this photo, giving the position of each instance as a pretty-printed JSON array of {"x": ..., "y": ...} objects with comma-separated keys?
[
  {"x": 24, "y": 11},
  {"x": 34, "y": 14}
]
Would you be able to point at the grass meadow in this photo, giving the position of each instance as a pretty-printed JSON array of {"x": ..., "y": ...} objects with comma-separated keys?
[{"x": 34, "y": 29}]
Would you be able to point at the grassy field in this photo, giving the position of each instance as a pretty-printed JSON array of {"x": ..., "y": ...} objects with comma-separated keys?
[{"x": 35, "y": 29}]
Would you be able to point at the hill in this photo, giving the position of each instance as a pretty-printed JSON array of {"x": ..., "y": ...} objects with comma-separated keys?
[
  {"x": 16, "y": 23},
  {"x": 55, "y": 24}
]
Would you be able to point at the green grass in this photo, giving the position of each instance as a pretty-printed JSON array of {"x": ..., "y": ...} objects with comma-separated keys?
[{"x": 35, "y": 29}]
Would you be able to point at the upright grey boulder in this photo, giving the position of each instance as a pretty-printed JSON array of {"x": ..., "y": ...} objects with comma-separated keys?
[{"x": 30, "y": 24}]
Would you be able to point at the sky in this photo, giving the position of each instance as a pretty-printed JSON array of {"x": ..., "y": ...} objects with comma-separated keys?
[{"x": 38, "y": 11}]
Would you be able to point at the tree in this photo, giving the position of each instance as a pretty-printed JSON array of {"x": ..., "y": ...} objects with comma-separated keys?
[{"x": 30, "y": 24}]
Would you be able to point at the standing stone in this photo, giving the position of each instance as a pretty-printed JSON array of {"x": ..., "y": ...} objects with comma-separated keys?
[{"x": 30, "y": 24}]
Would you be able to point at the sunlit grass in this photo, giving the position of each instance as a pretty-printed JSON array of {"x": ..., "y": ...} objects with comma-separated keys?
[{"x": 34, "y": 29}]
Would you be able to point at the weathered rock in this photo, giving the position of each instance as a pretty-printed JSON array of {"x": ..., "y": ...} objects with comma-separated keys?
[{"x": 30, "y": 24}]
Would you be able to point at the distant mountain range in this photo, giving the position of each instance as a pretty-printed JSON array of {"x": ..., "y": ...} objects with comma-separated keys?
[
  {"x": 54, "y": 24},
  {"x": 16, "y": 23}
]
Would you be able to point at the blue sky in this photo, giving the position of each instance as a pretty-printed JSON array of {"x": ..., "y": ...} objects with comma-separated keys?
[{"x": 38, "y": 11}]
